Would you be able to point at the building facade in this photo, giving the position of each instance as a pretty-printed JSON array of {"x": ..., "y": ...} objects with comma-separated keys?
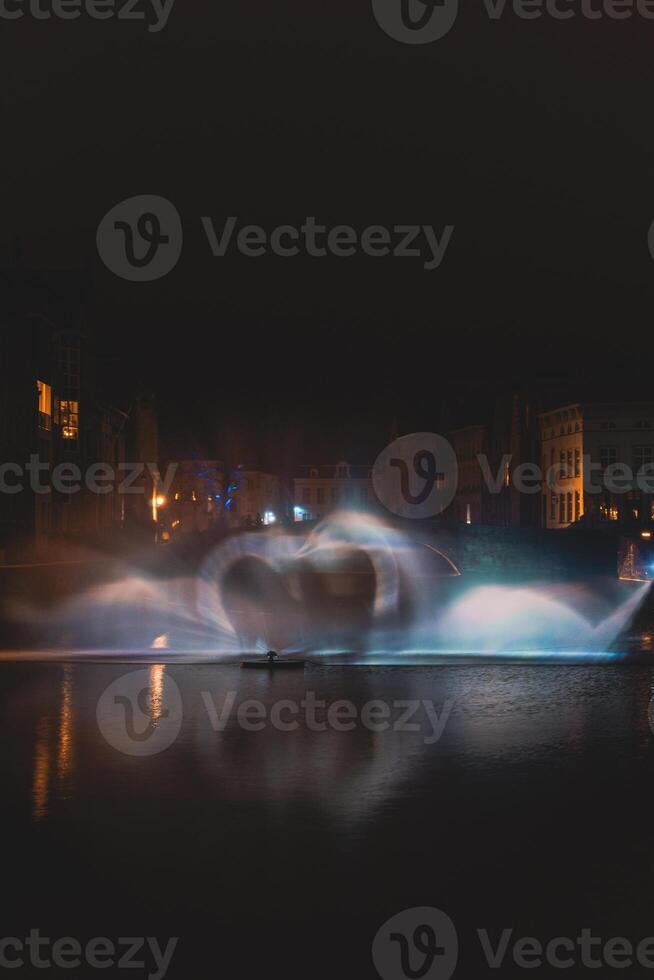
[
  {"x": 53, "y": 422},
  {"x": 488, "y": 455},
  {"x": 598, "y": 464},
  {"x": 318, "y": 490},
  {"x": 259, "y": 499},
  {"x": 201, "y": 497},
  {"x": 469, "y": 505}
]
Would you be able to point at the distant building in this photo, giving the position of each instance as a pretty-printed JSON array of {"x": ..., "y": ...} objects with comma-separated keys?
[
  {"x": 259, "y": 499},
  {"x": 487, "y": 457},
  {"x": 201, "y": 497},
  {"x": 50, "y": 412},
  {"x": 513, "y": 440},
  {"x": 470, "y": 501},
  {"x": 583, "y": 445},
  {"x": 321, "y": 489},
  {"x": 194, "y": 500}
]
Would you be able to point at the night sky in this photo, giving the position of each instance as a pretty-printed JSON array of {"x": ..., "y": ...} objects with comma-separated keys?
[{"x": 532, "y": 138}]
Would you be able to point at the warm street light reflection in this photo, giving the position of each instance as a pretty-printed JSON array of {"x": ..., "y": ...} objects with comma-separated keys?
[
  {"x": 41, "y": 777},
  {"x": 157, "y": 672},
  {"x": 65, "y": 742},
  {"x": 43, "y": 753}
]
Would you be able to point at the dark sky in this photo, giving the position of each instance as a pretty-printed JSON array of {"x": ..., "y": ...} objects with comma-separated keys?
[{"x": 532, "y": 138}]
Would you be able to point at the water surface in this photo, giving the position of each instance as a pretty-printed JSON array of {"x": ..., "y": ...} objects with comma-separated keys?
[{"x": 532, "y": 811}]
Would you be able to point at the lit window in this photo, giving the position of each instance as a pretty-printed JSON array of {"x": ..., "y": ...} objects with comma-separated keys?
[
  {"x": 69, "y": 420},
  {"x": 45, "y": 405},
  {"x": 45, "y": 397},
  {"x": 577, "y": 462},
  {"x": 608, "y": 509}
]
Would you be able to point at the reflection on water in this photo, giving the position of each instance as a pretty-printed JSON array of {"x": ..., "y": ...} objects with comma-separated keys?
[
  {"x": 65, "y": 739},
  {"x": 156, "y": 691},
  {"x": 496, "y": 711},
  {"x": 41, "y": 772},
  {"x": 49, "y": 780},
  {"x": 532, "y": 810}
]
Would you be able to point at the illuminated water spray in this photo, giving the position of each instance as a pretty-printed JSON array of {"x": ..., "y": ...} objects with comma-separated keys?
[{"x": 353, "y": 585}]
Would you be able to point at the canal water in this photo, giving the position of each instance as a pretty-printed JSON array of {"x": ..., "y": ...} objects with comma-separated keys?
[{"x": 275, "y": 838}]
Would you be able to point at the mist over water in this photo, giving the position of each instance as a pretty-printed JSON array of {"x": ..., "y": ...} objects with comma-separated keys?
[{"x": 353, "y": 585}]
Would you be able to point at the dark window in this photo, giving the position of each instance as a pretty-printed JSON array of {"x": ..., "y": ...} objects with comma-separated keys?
[{"x": 643, "y": 456}]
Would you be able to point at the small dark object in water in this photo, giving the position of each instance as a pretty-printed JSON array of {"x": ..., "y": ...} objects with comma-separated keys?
[{"x": 272, "y": 661}]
